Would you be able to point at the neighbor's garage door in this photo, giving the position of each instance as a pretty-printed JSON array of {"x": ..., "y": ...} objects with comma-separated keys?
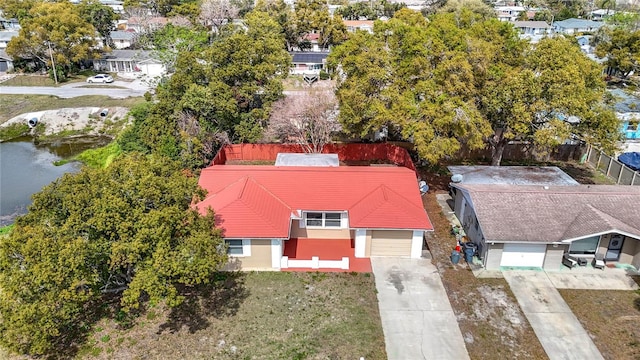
[
  {"x": 3, "y": 66},
  {"x": 530, "y": 255},
  {"x": 391, "y": 243}
]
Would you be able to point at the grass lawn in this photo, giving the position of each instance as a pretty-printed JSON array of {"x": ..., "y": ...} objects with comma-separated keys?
[
  {"x": 258, "y": 315},
  {"x": 14, "y": 105},
  {"x": 39, "y": 80},
  {"x": 611, "y": 318},
  {"x": 490, "y": 319}
]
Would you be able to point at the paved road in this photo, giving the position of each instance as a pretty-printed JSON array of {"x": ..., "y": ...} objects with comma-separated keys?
[
  {"x": 559, "y": 331},
  {"x": 417, "y": 318},
  {"x": 68, "y": 92}
]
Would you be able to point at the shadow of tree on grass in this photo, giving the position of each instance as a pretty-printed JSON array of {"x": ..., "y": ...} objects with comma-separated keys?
[{"x": 218, "y": 299}]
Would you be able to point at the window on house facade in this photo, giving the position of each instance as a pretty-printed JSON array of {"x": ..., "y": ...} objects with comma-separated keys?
[
  {"x": 633, "y": 126},
  {"x": 322, "y": 219},
  {"x": 234, "y": 247},
  {"x": 587, "y": 246}
]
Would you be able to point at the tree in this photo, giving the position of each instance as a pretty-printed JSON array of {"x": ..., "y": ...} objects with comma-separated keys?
[
  {"x": 55, "y": 26},
  {"x": 168, "y": 42},
  {"x": 102, "y": 17},
  {"x": 223, "y": 92},
  {"x": 461, "y": 79},
  {"x": 621, "y": 48},
  {"x": 216, "y": 13},
  {"x": 307, "y": 118},
  {"x": 18, "y": 9},
  {"x": 282, "y": 13},
  {"x": 127, "y": 229}
]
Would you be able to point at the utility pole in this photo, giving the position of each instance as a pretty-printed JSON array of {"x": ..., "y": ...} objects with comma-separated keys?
[{"x": 53, "y": 64}]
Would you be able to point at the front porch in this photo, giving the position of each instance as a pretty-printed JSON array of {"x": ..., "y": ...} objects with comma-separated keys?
[{"x": 326, "y": 255}]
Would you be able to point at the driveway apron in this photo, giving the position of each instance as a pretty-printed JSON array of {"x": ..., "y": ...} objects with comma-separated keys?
[
  {"x": 417, "y": 318},
  {"x": 559, "y": 331}
]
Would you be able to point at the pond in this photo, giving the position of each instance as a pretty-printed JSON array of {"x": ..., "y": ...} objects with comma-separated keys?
[{"x": 26, "y": 167}]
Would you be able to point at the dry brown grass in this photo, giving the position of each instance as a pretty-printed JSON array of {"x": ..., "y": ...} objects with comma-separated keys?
[
  {"x": 610, "y": 317},
  {"x": 265, "y": 315},
  {"x": 489, "y": 316}
]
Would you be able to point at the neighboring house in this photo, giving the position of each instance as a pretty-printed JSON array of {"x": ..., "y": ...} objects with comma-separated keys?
[
  {"x": 532, "y": 27},
  {"x": 627, "y": 109},
  {"x": 508, "y": 13},
  {"x": 130, "y": 61},
  {"x": 533, "y": 226},
  {"x": 308, "y": 62},
  {"x": 355, "y": 25},
  {"x": 601, "y": 14},
  {"x": 9, "y": 24},
  {"x": 504, "y": 175},
  {"x": 6, "y": 62},
  {"x": 122, "y": 39},
  {"x": 315, "y": 217},
  {"x": 5, "y": 37},
  {"x": 575, "y": 26}
]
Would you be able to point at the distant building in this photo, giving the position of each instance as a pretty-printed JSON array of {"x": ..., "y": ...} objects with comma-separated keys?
[
  {"x": 627, "y": 109},
  {"x": 509, "y": 13},
  {"x": 308, "y": 62},
  {"x": 576, "y": 26},
  {"x": 5, "y": 37},
  {"x": 355, "y": 25}
]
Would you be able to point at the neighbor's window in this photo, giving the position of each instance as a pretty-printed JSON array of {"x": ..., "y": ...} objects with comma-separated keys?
[
  {"x": 320, "y": 219},
  {"x": 633, "y": 126},
  {"x": 234, "y": 247},
  {"x": 587, "y": 246}
]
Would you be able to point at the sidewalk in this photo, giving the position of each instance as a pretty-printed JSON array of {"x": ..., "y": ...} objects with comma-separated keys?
[{"x": 417, "y": 318}]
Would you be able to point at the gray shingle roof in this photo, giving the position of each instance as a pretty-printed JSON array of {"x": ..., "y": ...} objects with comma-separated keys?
[
  {"x": 531, "y": 24},
  {"x": 122, "y": 35},
  {"x": 516, "y": 213},
  {"x": 138, "y": 55},
  {"x": 578, "y": 24},
  {"x": 309, "y": 57},
  {"x": 625, "y": 103},
  {"x": 513, "y": 175}
]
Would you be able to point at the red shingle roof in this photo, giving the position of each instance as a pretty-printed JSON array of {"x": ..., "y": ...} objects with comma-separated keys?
[{"x": 257, "y": 201}]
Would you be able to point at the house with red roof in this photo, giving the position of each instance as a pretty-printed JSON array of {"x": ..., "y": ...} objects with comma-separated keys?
[{"x": 331, "y": 218}]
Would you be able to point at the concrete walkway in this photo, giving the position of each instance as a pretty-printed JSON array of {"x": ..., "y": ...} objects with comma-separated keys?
[
  {"x": 559, "y": 331},
  {"x": 417, "y": 318}
]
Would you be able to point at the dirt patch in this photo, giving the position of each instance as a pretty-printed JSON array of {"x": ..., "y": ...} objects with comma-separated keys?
[
  {"x": 489, "y": 316},
  {"x": 85, "y": 120},
  {"x": 611, "y": 319}
]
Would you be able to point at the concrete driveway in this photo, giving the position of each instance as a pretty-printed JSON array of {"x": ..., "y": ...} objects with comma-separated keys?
[
  {"x": 417, "y": 318},
  {"x": 559, "y": 331}
]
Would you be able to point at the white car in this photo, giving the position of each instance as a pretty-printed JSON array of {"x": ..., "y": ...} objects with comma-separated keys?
[{"x": 100, "y": 78}]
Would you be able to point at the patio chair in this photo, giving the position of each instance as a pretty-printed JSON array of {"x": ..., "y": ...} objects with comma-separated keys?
[
  {"x": 569, "y": 261},
  {"x": 598, "y": 262}
]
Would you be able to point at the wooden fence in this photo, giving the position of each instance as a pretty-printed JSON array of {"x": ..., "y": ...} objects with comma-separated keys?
[{"x": 612, "y": 168}]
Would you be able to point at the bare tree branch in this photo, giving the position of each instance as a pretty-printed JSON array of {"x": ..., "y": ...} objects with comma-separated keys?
[{"x": 308, "y": 118}]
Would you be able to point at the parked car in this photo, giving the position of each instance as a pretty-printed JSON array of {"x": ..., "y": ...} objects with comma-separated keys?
[{"x": 100, "y": 78}]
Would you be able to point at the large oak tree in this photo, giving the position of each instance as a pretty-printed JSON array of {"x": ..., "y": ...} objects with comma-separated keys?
[
  {"x": 128, "y": 229},
  {"x": 461, "y": 79}
]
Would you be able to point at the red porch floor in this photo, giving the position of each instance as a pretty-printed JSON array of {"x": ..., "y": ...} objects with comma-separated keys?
[{"x": 325, "y": 249}]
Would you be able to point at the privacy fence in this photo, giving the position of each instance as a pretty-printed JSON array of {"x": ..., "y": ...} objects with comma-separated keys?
[
  {"x": 612, "y": 168},
  {"x": 352, "y": 154}
]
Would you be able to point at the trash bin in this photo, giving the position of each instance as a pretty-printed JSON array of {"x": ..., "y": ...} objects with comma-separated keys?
[
  {"x": 469, "y": 250},
  {"x": 455, "y": 257}
]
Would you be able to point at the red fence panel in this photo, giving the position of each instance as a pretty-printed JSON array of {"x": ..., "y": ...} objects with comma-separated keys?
[{"x": 346, "y": 152}]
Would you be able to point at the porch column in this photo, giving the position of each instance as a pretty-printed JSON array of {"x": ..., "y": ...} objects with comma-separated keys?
[
  {"x": 361, "y": 243},
  {"x": 416, "y": 244},
  {"x": 276, "y": 253}
]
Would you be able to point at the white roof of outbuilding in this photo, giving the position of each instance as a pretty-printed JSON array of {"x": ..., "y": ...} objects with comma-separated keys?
[
  {"x": 513, "y": 175},
  {"x": 291, "y": 159}
]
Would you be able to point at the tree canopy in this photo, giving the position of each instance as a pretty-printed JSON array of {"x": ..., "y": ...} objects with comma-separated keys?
[
  {"x": 621, "y": 47},
  {"x": 102, "y": 17},
  {"x": 460, "y": 79},
  {"x": 54, "y": 29},
  {"x": 222, "y": 93},
  {"x": 127, "y": 229}
]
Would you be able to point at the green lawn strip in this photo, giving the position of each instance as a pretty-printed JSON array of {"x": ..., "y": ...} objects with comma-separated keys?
[
  {"x": 610, "y": 317},
  {"x": 14, "y": 105},
  {"x": 100, "y": 157},
  {"x": 5, "y": 230},
  {"x": 268, "y": 315},
  {"x": 39, "y": 80}
]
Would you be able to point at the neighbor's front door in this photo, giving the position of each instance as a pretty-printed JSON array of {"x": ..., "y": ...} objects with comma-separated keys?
[{"x": 615, "y": 246}]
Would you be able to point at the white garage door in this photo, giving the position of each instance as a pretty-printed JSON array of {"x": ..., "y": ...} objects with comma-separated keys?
[{"x": 530, "y": 255}]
